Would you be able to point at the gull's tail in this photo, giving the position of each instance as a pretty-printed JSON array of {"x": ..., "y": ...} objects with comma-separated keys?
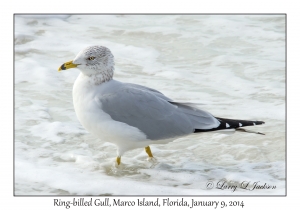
[{"x": 233, "y": 124}]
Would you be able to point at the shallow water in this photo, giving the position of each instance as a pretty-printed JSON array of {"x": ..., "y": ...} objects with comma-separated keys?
[{"x": 232, "y": 65}]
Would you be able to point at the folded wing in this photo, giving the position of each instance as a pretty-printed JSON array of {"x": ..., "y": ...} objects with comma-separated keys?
[{"x": 153, "y": 113}]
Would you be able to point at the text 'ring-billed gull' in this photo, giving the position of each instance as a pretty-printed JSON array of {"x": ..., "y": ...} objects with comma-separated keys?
[{"x": 130, "y": 115}]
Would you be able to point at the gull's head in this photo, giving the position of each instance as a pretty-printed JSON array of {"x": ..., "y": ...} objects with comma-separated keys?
[{"x": 93, "y": 60}]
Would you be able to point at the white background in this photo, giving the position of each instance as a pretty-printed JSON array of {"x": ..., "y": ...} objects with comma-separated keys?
[{"x": 141, "y": 7}]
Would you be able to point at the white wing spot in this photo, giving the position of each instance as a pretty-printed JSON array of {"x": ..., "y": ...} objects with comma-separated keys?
[
  {"x": 227, "y": 125},
  {"x": 254, "y": 124},
  {"x": 240, "y": 124}
]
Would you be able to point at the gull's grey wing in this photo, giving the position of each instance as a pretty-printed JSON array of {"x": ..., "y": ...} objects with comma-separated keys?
[
  {"x": 153, "y": 91},
  {"x": 153, "y": 114},
  {"x": 199, "y": 118}
]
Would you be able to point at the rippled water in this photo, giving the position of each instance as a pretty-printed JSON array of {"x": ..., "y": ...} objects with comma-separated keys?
[{"x": 232, "y": 65}]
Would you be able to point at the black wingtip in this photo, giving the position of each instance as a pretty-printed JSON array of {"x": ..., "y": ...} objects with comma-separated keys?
[
  {"x": 258, "y": 122},
  {"x": 233, "y": 124}
]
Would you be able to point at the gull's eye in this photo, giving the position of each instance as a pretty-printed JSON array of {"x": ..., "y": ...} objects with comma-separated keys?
[{"x": 91, "y": 58}]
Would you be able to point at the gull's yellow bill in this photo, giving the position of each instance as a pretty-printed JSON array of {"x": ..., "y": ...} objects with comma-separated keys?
[{"x": 67, "y": 65}]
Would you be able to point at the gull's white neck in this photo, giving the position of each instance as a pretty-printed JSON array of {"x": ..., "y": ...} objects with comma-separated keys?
[{"x": 97, "y": 79}]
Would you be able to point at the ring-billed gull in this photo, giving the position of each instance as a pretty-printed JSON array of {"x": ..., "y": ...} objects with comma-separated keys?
[{"x": 131, "y": 115}]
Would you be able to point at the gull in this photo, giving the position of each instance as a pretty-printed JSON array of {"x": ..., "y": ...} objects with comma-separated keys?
[{"x": 130, "y": 115}]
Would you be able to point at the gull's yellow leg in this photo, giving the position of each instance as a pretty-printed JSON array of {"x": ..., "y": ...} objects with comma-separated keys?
[
  {"x": 118, "y": 160},
  {"x": 148, "y": 151}
]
